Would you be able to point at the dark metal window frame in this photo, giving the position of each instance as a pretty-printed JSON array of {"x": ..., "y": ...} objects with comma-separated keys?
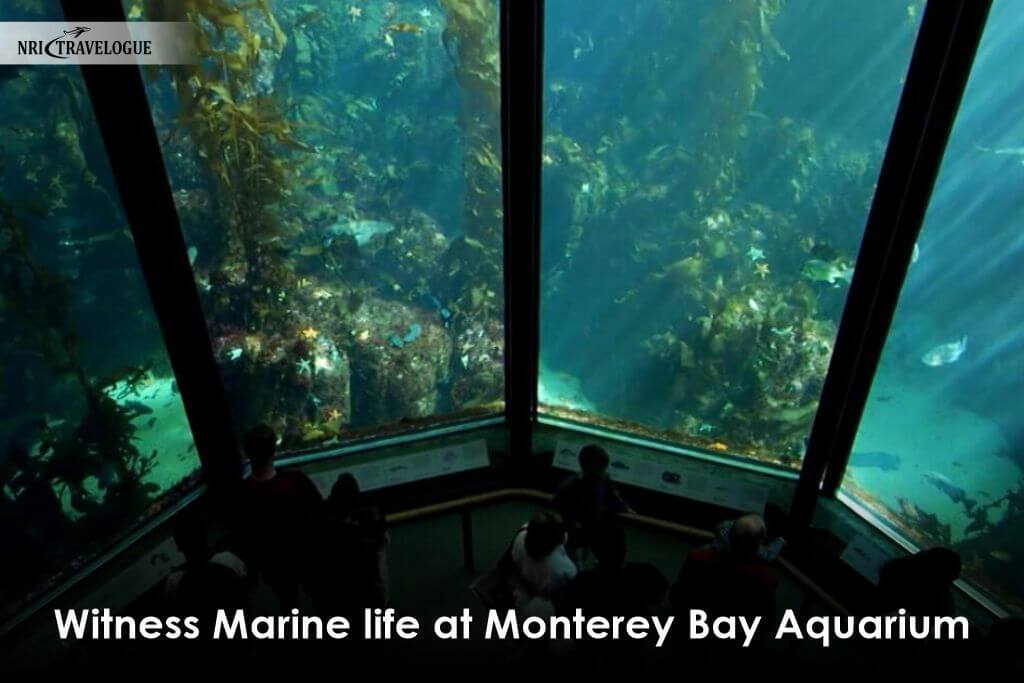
[
  {"x": 945, "y": 48},
  {"x": 936, "y": 78},
  {"x": 522, "y": 84}
]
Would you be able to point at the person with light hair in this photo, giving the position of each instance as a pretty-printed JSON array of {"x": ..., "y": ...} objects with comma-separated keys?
[{"x": 729, "y": 579}]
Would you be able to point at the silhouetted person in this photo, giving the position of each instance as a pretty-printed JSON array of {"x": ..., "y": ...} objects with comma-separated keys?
[
  {"x": 614, "y": 587},
  {"x": 351, "y": 573},
  {"x": 543, "y": 566},
  {"x": 732, "y": 581},
  {"x": 589, "y": 499},
  {"x": 768, "y": 551},
  {"x": 921, "y": 583},
  {"x": 207, "y": 581},
  {"x": 281, "y": 513},
  {"x": 204, "y": 583}
]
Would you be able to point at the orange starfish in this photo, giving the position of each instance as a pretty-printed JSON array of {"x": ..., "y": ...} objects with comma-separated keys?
[
  {"x": 761, "y": 269},
  {"x": 310, "y": 333},
  {"x": 334, "y": 414}
]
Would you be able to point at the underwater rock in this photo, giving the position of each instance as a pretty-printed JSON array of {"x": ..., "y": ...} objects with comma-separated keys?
[
  {"x": 409, "y": 255},
  {"x": 329, "y": 402},
  {"x": 390, "y": 381},
  {"x": 478, "y": 365},
  {"x": 295, "y": 385}
]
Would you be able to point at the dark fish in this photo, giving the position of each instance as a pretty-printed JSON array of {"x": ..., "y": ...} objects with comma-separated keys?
[
  {"x": 354, "y": 301},
  {"x": 887, "y": 462},
  {"x": 403, "y": 27},
  {"x": 956, "y": 493},
  {"x": 311, "y": 17},
  {"x": 152, "y": 421}
]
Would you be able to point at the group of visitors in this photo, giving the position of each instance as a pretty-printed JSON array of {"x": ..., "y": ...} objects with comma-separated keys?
[
  {"x": 288, "y": 537},
  {"x": 572, "y": 556}
]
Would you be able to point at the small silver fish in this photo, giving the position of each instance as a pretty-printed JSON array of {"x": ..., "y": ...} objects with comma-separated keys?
[
  {"x": 1005, "y": 151},
  {"x": 362, "y": 230},
  {"x": 944, "y": 354}
]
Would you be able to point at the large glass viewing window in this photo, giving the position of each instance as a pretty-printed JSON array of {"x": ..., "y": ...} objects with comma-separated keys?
[
  {"x": 337, "y": 172},
  {"x": 707, "y": 171},
  {"x": 93, "y": 435},
  {"x": 938, "y": 458}
]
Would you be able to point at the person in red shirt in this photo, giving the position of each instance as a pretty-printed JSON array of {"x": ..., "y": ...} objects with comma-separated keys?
[
  {"x": 280, "y": 513},
  {"x": 730, "y": 581}
]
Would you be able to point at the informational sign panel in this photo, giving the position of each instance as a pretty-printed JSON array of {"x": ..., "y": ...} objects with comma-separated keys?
[
  {"x": 866, "y": 557},
  {"x": 402, "y": 469},
  {"x": 671, "y": 474}
]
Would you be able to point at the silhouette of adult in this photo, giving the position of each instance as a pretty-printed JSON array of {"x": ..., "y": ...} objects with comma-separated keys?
[{"x": 280, "y": 515}]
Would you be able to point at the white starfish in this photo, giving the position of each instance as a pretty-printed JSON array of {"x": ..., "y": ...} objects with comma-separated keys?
[
  {"x": 426, "y": 13},
  {"x": 304, "y": 367},
  {"x": 755, "y": 254}
]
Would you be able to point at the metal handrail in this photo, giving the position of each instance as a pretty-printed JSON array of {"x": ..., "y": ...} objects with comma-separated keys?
[{"x": 466, "y": 504}]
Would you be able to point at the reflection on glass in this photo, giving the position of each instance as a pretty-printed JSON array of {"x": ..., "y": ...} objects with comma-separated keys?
[
  {"x": 93, "y": 435},
  {"x": 337, "y": 171},
  {"x": 708, "y": 168},
  {"x": 939, "y": 456}
]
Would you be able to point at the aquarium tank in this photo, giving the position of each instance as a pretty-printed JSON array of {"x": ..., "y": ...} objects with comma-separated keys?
[
  {"x": 337, "y": 172},
  {"x": 938, "y": 456},
  {"x": 93, "y": 435},
  {"x": 708, "y": 168}
]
